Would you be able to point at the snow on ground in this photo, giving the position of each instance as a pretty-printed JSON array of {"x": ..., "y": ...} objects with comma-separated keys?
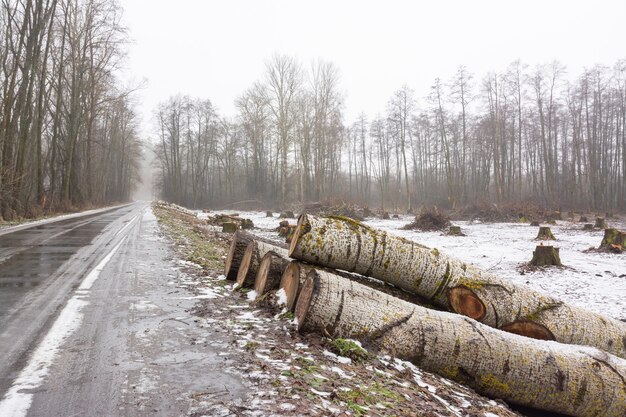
[{"x": 596, "y": 281}]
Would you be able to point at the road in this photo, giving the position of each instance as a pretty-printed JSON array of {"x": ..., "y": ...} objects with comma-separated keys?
[{"x": 92, "y": 323}]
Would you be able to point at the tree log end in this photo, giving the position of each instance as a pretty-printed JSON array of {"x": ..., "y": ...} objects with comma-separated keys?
[
  {"x": 465, "y": 301},
  {"x": 261, "y": 277},
  {"x": 529, "y": 329},
  {"x": 228, "y": 265},
  {"x": 244, "y": 267},
  {"x": 304, "y": 299},
  {"x": 302, "y": 228},
  {"x": 290, "y": 284}
]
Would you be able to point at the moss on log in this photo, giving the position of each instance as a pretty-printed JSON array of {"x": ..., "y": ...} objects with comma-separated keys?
[
  {"x": 614, "y": 240},
  {"x": 453, "y": 285},
  {"x": 573, "y": 380}
]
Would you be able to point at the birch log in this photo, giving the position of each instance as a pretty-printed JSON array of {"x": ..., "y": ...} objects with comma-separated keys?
[
  {"x": 452, "y": 284},
  {"x": 296, "y": 273},
  {"x": 573, "y": 380},
  {"x": 270, "y": 272},
  {"x": 251, "y": 260}
]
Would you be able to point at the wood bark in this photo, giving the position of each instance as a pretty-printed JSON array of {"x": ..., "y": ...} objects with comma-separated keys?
[
  {"x": 251, "y": 260},
  {"x": 573, "y": 380},
  {"x": 451, "y": 284},
  {"x": 270, "y": 272}
]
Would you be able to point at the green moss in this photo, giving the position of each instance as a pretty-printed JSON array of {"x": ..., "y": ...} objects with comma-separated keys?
[
  {"x": 349, "y": 349},
  {"x": 435, "y": 252},
  {"x": 493, "y": 385}
]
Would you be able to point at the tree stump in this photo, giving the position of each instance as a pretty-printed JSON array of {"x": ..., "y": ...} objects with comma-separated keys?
[
  {"x": 614, "y": 240},
  {"x": 455, "y": 231},
  {"x": 600, "y": 223},
  {"x": 287, "y": 215},
  {"x": 545, "y": 234},
  {"x": 385, "y": 216},
  {"x": 269, "y": 214},
  {"x": 247, "y": 224},
  {"x": 583, "y": 219},
  {"x": 534, "y": 223},
  {"x": 551, "y": 221},
  {"x": 396, "y": 216},
  {"x": 546, "y": 256},
  {"x": 588, "y": 226},
  {"x": 229, "y": 227}
]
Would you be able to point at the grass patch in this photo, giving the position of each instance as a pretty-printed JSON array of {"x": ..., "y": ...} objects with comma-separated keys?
[
  {"x": 196, "y": 246},
  {"x": 349, "y": 349}
]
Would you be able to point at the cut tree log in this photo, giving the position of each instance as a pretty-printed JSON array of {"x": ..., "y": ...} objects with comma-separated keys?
[
  {"x": 546, "y": 256},
  {"x": 545, "y": 234},
  {"x": 251, "y": 260},
  {"x": 573, "y": 380},
  {"x": 295, "y": 274},
  {"x": 270, "y": 272},
  {"x": 614, "y": 240},
  {"x": 235, "y": 254},
  {"x": 454, "y": 285},
  {"x": 600, "y": 223}
]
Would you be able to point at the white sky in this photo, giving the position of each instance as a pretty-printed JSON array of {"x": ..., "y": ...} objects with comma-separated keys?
[{"x": 217, "y": 49}]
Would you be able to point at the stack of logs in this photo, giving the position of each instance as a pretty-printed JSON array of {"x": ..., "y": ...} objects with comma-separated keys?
[{"x": 344, "y": 279}]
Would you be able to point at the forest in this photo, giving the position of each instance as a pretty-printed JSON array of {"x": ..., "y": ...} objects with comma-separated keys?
[
  {"x": 68, "y": 131},
  {"x": 526, "y": 133}
]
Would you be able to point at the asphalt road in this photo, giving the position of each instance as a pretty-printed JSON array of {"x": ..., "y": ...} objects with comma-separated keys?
[{"x": 90, "y": 324}]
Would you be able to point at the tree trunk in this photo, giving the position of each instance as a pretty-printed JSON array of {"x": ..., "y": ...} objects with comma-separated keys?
[
  {"x": 270, "y": 272},
  {"x": 578, "y": 381},
  {"x": 454, "y": 285},
  {"x": 251, "y": 260}
]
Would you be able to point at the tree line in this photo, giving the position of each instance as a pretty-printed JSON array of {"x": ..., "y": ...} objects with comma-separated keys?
[
  {"x": 520, "y": 134},
  {"x": 68, "y": 133}
]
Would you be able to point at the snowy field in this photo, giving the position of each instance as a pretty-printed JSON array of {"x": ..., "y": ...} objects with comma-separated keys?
[{"x": 596, "y": 281}]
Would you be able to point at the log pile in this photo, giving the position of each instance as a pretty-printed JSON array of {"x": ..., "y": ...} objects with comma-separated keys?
[
  {"x": 346, "y": 280},
  {"x": 230, "y": 223}
]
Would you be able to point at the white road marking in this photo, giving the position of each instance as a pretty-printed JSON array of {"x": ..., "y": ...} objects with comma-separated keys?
[{"x": 18, "y": 399}]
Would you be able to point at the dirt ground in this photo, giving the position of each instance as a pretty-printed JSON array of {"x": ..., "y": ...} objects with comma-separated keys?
[{"x": 289, "y": 374}]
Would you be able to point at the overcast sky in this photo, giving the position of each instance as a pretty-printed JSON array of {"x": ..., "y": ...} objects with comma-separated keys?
[{"x": 216, "y": 49}]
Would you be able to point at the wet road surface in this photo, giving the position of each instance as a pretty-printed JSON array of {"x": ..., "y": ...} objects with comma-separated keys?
[{"x": 90, "y": 325}]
